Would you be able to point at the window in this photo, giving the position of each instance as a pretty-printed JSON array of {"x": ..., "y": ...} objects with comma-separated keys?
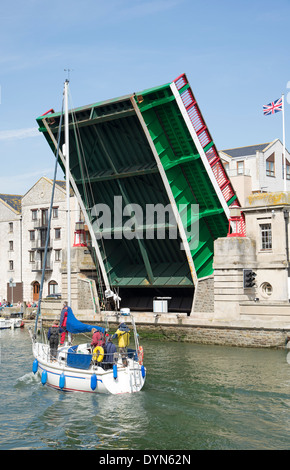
[
  {"x": 240, "y": 167},
  {"x": 287, "y": 169},
  {"x": 31, "y": 257},
  {"x": 57, "y": 233},
  {"x": 42, "y": 236},
  {"x": 34, "y": 214},
  {"x": 44, "y": 217},
  {"x": 52, "y": 288},
  {"x": 10, "y": 245},
  {"x": 11, "y": 266},
  {"x": 270, "y": 165},
  {"x": 10, "y": 226},
  {"x": 31, "y": 235},
  {"x": 267, "y": 289},
  {"x": 266, "y": 236},
  {"x": 48, "y": 265},
  {"x": 55, "y": 212},
  {"x": 57, "y": 255}
]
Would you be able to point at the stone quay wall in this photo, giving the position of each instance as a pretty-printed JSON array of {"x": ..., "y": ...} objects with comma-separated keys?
[
  {"x": 185, "y": 329},
  {"x": 222, "y": 336}
]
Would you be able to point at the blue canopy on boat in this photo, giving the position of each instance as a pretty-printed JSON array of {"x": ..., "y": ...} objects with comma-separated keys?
[{"x": 73, "y": 325}]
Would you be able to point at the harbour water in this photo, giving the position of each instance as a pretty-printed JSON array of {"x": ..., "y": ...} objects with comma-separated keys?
[{"x": 196, "y": 397}]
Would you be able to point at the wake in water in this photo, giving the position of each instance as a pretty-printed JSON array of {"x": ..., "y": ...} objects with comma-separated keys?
[{"x": 27, "y": 379}]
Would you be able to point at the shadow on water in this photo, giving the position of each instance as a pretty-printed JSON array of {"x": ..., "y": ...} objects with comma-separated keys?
[{"x": 195, "y": 397}]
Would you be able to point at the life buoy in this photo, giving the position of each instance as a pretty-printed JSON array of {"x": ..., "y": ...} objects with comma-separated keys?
[
  {"x": 98, "y": 354},
  {"x": 140, "y": 355}
]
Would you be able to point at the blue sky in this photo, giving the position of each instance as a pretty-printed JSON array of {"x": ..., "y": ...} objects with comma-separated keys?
[{"x": 235, "y": 55}]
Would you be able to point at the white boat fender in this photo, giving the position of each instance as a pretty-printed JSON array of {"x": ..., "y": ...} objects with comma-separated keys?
[
  {"x": 115, "y": 372},
  {"x": 61, "y": 381},
  {"x": 35, "y": 366},
  {"x": 143, "y": 372},
  {"x": 93, "y": 382},
  {"x": 44, "y": 377}
]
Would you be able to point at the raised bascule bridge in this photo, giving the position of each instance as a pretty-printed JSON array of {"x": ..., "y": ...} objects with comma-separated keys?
[{"x": 151, "y": 150}]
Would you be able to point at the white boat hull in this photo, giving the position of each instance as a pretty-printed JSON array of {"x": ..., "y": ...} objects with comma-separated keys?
[
  {"x": 6, "y": 323},
  {"x": 95, "y": 379}
]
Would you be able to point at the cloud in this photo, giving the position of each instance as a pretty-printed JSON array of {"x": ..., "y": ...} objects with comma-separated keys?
[{"x": 16, "y": 134}]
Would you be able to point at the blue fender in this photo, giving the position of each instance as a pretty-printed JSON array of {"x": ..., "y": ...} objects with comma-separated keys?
[
  {"x": 143, "y": 371},
  {"x": 61, "y": 381},
  {"x": 93, "y": 382},
  {"x": 35, "y": 366},
  {"x": 44, "y": 377}
]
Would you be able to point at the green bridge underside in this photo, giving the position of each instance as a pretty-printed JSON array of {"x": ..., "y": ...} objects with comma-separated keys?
[{"x": 114, "y": 158}]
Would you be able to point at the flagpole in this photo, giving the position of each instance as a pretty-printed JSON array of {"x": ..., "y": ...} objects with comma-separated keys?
[{"x": 284, "y": 152}]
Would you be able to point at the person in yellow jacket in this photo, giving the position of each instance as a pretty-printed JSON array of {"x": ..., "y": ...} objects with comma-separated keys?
[{"x": 123, "y": 335}]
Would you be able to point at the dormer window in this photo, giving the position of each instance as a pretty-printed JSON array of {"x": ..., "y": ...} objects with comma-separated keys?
[{"x": 270, "y": 165}]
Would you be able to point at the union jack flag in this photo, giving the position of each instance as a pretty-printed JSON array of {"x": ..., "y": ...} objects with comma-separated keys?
[{"x": 273, "y": 107}]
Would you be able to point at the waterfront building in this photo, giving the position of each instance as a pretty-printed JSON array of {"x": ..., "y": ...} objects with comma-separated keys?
[
  {"x": 256, "y": 168},
  {"x": 263, "y": 253},
  {"x": 23, "y": 229},
  {"x": 11, "y": 280},
  {"x": 257, "y": 174},
  {"x": 35, "y": 212}
]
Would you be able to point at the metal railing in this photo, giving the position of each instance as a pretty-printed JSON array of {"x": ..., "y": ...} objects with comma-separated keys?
[
  {"x": 37, "y": 266},
  {"x": 207, "y": 143}
]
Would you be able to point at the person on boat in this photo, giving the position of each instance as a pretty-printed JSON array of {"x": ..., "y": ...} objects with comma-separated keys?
[
  {"x": 123, "y": 335},
  {"x": 62, "y": 321},
  {"x": 109, "y": 357},
  {"x": 53, "y": 338},
  {"x": 98, "y": 338}
]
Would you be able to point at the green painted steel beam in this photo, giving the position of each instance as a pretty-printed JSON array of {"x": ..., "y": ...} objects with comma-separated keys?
[
  {"x": 230, "y": 201},
  {"x": 188, "y": 179},
  {"x": 157, "y": 102},
  {"x": 186, "y": 158},
  {"x": 112, "y": 176}
]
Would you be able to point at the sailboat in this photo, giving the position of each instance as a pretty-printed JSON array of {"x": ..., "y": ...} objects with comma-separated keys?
[
  {"x": 6, "y": 323},
  {"x": 81, "y": 367}
]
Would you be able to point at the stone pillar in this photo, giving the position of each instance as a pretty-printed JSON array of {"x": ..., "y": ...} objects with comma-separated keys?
[
  {"x": 231, "y": 256},
  {"x": 204, "y": 296}
]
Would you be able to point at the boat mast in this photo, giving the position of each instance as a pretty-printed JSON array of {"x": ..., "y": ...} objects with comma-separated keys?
[{"x": 66, "y": 136}]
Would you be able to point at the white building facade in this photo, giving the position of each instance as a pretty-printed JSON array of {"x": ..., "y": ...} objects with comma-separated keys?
[
  {"x": 257, "y": 168},
  {"x": 23, "y": 229},
  {"x": 10, "y": 248}
]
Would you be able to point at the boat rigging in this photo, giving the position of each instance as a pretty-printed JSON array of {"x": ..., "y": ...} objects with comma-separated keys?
[{"x": 80, "y": 367}]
